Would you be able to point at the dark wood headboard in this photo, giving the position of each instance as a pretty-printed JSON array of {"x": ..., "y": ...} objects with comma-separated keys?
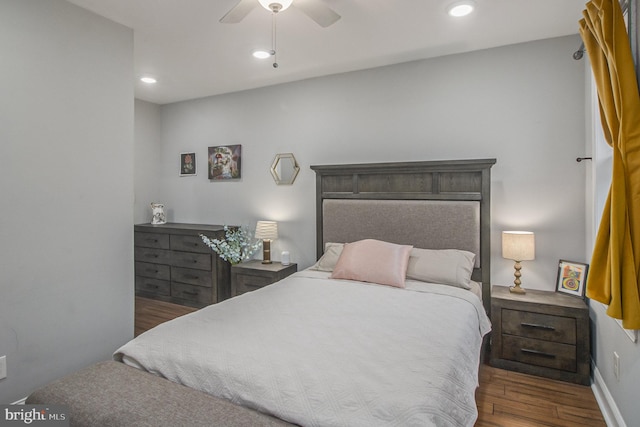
[{"x": 439, "y": 181}]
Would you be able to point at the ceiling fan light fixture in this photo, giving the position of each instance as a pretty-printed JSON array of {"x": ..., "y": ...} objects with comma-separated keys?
[
  {"x": 461, "y": 8},
  {"x": 276, "y": 5}
]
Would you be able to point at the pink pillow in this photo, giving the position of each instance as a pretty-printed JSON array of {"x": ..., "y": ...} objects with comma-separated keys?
[{"x": 373, "y": 261}]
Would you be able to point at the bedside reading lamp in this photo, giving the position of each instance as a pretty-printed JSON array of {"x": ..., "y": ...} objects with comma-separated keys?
[
  {"x": 267, "y": 231},
  {"x": 518, "y": 246}
]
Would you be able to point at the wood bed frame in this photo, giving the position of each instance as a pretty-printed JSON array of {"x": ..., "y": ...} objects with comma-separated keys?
[{"x": 424, "y": 184}]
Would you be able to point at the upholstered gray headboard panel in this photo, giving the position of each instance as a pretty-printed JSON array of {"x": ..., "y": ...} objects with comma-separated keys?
[
  {"x": 430, "y": 204},
  {"x": 428, "y": 224}
]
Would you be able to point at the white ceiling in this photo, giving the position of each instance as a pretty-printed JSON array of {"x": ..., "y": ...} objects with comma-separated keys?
[{"x": 192, "y": 55}]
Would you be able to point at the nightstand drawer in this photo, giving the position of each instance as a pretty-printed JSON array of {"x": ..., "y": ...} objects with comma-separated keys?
[
  {"x": 541, "y": 326},
  {"x": 154, "y": 271},
  {"x": 191, "y": 260},
  {"x": 539, "y": 353},
  {"x": 153, "y": 286},
  {"x": 189, "y": 243},
  {"x": 190, "y": 293},
  {"x": 247, "y": 283},
  {"x": 191, "y": 276},
  {"x": 151, "y": 240}
]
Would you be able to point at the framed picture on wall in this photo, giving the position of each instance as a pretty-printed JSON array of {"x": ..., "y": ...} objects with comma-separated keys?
[
  {"x": 187, "y": 164},
  {"x": 225, "y": 162},
  {"x": 572, "y": 277}
]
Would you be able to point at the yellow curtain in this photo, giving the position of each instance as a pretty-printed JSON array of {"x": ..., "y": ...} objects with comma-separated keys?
[{"x": 615, "y": 263}]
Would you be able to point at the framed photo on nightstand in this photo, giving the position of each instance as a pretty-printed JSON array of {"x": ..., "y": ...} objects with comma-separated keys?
[{"x": 572, "y": 277}]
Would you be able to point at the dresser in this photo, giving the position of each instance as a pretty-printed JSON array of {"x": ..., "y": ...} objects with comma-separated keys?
[
  {"x": 251, "y": 275},
  {"x": 173, "y": 264},
  {"x": 541, "y": 333}
]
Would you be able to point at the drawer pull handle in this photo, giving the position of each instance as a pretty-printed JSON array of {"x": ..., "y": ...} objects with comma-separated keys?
[
  {"x": 537, "y": 326},
  {"x": 152, "y": 240},
  {"x": 195, "y": 294},
  {"x": 192, "y": 277},
  {"x": 152, "y": 286},
  {"x": 538, "y": 353}
]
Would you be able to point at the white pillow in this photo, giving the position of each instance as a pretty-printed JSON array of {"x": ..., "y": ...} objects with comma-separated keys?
[
  {"x": 328, "y": 260},
  {"x": 446, "y": 266}
]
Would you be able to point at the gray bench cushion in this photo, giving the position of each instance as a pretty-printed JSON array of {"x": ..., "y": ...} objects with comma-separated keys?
[{"x": 113, "y": 394}]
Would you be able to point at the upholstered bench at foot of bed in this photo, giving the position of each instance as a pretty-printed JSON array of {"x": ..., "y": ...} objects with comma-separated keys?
[{"x": 113, "y": 394}]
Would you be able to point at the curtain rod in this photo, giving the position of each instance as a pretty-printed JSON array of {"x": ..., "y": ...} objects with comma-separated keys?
[{"x": 578, "y": 54}]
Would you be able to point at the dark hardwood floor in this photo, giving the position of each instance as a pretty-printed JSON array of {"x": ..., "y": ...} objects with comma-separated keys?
[
  {"x": 150, "y": 313},
  {"x": 504, "y": 398}
]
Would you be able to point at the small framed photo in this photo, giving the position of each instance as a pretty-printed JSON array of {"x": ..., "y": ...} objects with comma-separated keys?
[
  {"x": 225, "y": 162},
  {"x": 572, "y": 277},
  {"x": 187, "y": 164}
]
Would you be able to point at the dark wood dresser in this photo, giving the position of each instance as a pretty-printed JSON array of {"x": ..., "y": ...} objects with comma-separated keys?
[
  {"x": 541, "y": 333},
  {"x": 173, "y": 264},
  {"x": 251, "y": 275}
]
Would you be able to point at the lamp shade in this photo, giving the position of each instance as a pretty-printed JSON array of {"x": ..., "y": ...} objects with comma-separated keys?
[
  {"x": 267, "y": 230},
  {"x": 518, "y": 245}
]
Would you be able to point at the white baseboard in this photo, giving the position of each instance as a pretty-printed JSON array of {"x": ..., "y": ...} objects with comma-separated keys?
[
  {"x": 608, "y": 407},
  {"x": 20, "y": 402}
]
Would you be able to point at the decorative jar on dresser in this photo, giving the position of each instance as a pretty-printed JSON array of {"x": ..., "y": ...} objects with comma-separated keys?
[
  {"x": 541, "y": 333},
  {"x": 173, "y": 264}
]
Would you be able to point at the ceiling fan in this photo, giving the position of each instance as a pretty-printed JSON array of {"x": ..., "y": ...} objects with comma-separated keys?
[{"x": 314, "y": 9}]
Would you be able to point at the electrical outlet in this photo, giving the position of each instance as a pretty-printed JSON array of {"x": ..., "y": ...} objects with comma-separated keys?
[
  {"x": 616, "y": 366},
  {"x": 3, "y": 367}
]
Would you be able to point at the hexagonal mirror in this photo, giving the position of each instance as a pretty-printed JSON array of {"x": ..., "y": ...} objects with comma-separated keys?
[{"x": 284, "y": 169}]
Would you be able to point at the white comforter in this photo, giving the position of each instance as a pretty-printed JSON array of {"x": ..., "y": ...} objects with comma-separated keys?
[{"x": 320, "y": 352}]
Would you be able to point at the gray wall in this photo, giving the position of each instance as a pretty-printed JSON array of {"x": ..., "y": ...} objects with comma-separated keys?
[
  {"x": 146, "y": 158},
  {"x": 523, "y": 104},
  {"x": 66, "y": 185}
]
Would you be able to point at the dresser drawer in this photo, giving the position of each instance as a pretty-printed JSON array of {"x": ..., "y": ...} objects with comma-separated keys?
[
  {"x": 193, "y": 294},
  {"x": 540, "y": 326},
  {"x": 247, "y": 283},
  {"x": 191, "y": 260},
  {"x": 160, "y": 256},
  {"x": 153, "y": 271},
  {"x": 188, "y": 243},
  {"x": 154, "y": 286},
  {"x": 151, "y": 240},
  {"x": 191, "y": 276},
  {"x": 539, "y": 353}
]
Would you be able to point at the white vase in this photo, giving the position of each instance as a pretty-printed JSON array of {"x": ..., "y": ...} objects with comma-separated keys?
[{"x": 157, "y": 210}]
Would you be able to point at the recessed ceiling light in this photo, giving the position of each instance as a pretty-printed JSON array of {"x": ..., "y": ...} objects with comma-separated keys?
[
  {"x": 148, "y": 80},
  {"x": 262, "y": 54},
  {"x": 461, "y": 8}
]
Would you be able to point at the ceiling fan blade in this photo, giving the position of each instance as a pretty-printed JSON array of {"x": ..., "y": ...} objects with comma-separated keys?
[
  {"x": 239, "y": 11},
  {"x": 318, "y": 11}
]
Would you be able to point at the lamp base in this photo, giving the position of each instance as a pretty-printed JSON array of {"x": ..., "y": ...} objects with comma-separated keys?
[
  {"x": 266, "y": 252},
  {"x": 517, "y": 290}
]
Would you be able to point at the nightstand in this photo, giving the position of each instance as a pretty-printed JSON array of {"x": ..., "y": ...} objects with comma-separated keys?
[
  {"x": 251, "y": 275},
  {"x": 541, "y": 333}
]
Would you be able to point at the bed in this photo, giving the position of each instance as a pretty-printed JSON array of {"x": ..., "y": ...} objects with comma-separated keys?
[{"x": 385, "y": 329}]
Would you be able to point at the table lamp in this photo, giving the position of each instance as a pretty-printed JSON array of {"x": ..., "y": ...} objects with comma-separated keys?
[
  {"x": 518, "y": 246},
  {"x": 267, "y": 231}
]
